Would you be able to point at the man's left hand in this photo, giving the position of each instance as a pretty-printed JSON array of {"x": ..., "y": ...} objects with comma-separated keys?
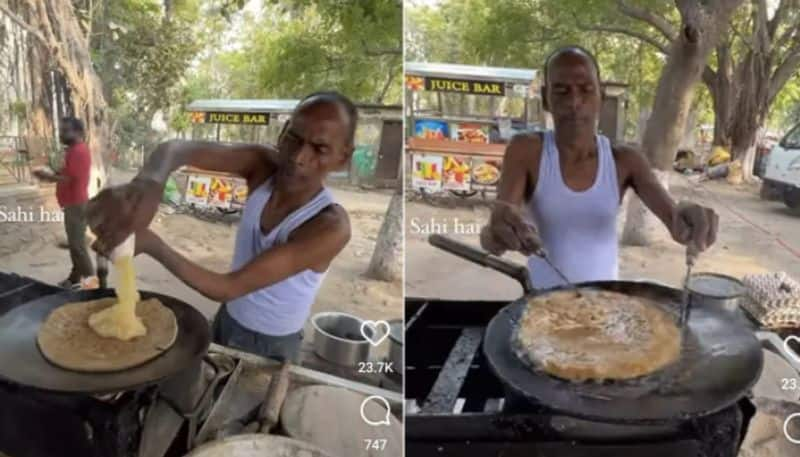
[
  {"x": 42, "y": 174},
  {"x": 694, "y": 224}
]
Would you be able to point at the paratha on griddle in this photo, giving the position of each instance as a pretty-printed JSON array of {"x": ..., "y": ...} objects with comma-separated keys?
[
  {"x": 598, "y": 335},
  {"x": 66, "y": 339}
]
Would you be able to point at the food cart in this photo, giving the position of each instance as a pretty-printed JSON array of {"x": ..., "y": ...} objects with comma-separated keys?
[
  {"x": 229, "y": 121},
  {"x": 377, "y": 160},
  {"x": 459, "y": 118}
]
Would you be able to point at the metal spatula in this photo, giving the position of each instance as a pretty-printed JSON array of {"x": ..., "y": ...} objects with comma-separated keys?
[
  {"x": 541, "y": 253},
  {"x": 691, "y": 257}
]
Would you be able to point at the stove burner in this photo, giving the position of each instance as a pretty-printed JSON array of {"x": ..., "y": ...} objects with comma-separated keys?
[
  {"x": 36, "y": 423},
  {"x": 456, "y": 406}
]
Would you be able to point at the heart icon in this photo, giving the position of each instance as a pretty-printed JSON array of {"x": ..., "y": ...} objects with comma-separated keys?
[
  {"x": 375, "y": 337},
  {"x": 789, "y": 350}
]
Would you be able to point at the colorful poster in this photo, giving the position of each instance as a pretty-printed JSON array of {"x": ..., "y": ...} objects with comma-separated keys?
[
  {"x": 197, "y": 190},
  {"x": 239, "y": 193},
  {"x": 485, "y": 173},
  {"x": 472, "y": 133},
  {"x": 431, "y": 129},
  {"x": 456, "y": 173},
  {"x": 427, "y": 172},
  {"x": 221, "y": 192},
  {"x": 415, "y": 83}
]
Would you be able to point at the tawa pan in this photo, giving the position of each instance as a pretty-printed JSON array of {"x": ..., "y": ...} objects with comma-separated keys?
[
  {"x": 720, "y": 361},
  {"x": 22, "y": 363},
  {"x": 721, "y": 358}
]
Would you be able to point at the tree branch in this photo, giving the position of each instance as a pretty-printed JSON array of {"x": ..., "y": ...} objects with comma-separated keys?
[
  {"x": 710, "y": 78},
  {"x": 644, "y": 15},
  {"x": 28, "y": 28},
  {"x": 661, "y": 47},
  {"x": 780, "y": 15},
  {"x": 783, "y": 72},
  {"x": 386, "y": 87},
  {"x": 788, "y": 35},
  {"x": 382, "y": 52}
]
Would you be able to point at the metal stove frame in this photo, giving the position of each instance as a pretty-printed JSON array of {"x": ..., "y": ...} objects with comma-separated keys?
[{"x": 465, "y": 412}]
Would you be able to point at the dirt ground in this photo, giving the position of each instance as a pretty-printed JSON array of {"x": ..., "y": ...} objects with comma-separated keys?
[
  {"x": 211, "y": 245},
  {"x": 755, "y": 236}
]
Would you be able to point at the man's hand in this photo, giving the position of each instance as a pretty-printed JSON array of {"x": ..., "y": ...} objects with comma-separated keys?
[
  {"x": 694, "y": 224},
  {"x": 117, "y": 212},
  {"x": 146, "y": 242},
  {"x": 508, "y": 231},
  {"x": 43, "y": 175}
]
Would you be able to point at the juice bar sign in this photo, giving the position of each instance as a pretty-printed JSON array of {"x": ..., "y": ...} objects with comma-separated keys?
[
  {"x": 465, "y": 86},
  {"x": 236, "y": 118}
]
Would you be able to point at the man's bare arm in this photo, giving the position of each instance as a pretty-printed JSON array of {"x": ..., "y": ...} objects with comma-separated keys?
[
  {"x": 688, "y": 223},
  {"x": 517, "y": 161},
  {"x": 507, "y": 228},
  {"x": 644, "y": 182},
  {"x": 253, "y": 162},
  {"x": 313, "y": 246}
]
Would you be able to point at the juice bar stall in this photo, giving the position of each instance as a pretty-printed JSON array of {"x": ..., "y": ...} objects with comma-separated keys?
[
  {"x": 459, "y": 119},
  {"x": 228, "y": 121},
  {"x": 376, "y": 160}
]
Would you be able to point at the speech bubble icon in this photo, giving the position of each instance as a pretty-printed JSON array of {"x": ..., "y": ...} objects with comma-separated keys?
[
  {"x": 384, "y": 415},
  {"x": 789, "y": 350},
  {"x": 786, "y": 428},
  {"x": 375, "y": 337}
]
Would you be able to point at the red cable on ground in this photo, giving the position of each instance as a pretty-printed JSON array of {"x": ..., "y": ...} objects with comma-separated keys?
[{"x": 780, "y": 241}]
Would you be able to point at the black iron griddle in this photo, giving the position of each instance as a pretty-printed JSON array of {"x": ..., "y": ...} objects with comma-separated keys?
[
  {"x": 720, "y": 361},
  {"x": 22, "y": 363}
]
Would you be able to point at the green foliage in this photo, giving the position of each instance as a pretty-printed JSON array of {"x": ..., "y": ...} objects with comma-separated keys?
[
  {"x": 301, "y": 46},
  {"x": 18, "y": 109},
  {"x": 521, "y": 33}
]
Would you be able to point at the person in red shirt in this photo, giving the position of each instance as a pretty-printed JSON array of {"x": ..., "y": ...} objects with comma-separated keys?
[{"x": 72, "y": 193}]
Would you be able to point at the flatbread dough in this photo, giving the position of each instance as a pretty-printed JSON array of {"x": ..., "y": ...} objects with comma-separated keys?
[
  {"x": 598, "y": 335},
  {"x": 66, "y": 339}
]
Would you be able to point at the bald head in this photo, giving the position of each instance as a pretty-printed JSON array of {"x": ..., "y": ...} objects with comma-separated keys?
[
  {"x": 346, "y": 107},
  {"x": 571, "y": 55},
  {"x": 572, "y": 90}
]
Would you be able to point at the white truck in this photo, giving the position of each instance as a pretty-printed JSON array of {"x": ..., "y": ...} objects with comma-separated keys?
[{"x": 782, "y": 170}]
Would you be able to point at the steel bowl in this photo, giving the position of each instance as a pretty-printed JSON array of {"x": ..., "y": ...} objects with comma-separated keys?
[
  {"x": 338, "y": 338},
  {"x": 718, "y": 290}
]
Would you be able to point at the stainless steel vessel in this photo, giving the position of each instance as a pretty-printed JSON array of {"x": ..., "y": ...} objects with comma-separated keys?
[{"x": 338, "y": 338}]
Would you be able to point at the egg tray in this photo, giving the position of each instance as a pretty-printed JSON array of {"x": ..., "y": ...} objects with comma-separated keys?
[{"x": 774, "y": 300}]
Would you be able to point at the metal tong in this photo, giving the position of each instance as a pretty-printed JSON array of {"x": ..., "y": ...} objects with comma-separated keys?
[{"x": 691, "y": 256}]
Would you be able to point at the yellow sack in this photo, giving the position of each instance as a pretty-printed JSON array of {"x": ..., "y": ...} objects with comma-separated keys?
[
  {"x": 735, "y": 173},
  {"x": 718, "y": 155}
]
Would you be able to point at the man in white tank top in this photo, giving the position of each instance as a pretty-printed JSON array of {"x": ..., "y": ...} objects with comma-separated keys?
[
  {"x": 284, "y": 245},
  {"x": 561, "y": 190}
]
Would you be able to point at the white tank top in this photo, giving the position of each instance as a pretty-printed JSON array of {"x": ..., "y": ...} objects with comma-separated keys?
[
  {"x": 282, "y": 308},
  {"x": 578, "y": 229}
]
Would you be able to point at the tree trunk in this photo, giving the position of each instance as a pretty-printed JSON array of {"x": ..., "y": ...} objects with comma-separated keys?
[
  {"x": 699, "y": 32},
  {"x": 688, "y": 139},
  {"x": 759, "y": 76},
  {"x": 748, "y": 160},
  {"x": 58, "y": 31},
  {"x": 721, "y": 88},
  {"x": 387, "y": 258},
  {"x": 40, "y": 114}
]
